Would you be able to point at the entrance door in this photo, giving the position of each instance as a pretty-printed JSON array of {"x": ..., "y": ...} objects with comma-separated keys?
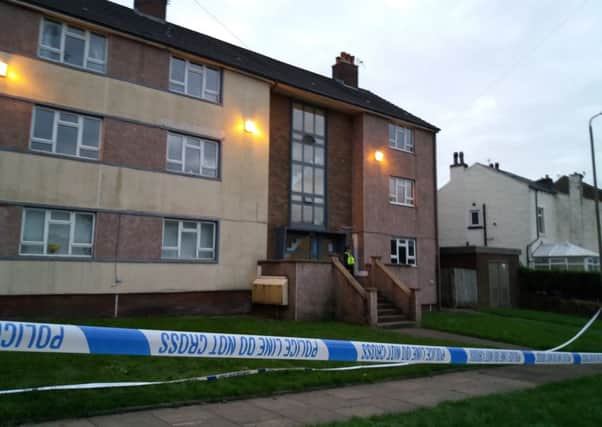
[{"x": 499, "y": 284}]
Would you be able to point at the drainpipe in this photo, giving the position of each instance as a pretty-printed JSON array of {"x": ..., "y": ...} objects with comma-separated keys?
[
  {"x": 536, "y": 234},
  {"x": 484, "y": 224}
]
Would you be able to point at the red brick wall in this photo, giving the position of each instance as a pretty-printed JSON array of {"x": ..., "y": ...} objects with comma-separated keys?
[
  {"x": 339, "y": 169},
  {"x": 19, "y": 29},
  {"x": 15, "y": 124},
  {"x": 140, "y": 237},
  {"x": 10, "y": 230},
  {"x": 133, "y": 145}
]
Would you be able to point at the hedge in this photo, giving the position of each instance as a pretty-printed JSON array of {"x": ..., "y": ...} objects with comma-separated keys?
[{"x": 564, "y": 284}]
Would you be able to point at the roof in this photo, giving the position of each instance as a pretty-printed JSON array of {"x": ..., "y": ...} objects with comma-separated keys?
[
  {"x": 562, "y": 186},
  {"x": 565, "y": 249},
  {"x": 535, "y": 185},
  {"x": 129, "y": 21}
]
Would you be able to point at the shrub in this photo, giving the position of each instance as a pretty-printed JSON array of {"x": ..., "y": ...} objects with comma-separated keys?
[{"x": 564, "y": 284}]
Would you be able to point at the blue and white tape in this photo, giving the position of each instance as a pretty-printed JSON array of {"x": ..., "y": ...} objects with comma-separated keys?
[{"x": 55, "y": 338}]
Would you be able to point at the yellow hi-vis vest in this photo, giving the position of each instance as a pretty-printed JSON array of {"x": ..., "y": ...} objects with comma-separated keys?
[{"x": 350, "y": 259}]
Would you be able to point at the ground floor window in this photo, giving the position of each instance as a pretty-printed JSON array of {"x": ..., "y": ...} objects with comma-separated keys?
[
  {"x": 589, "y": 263},
  {"x": 403, "y": 251},
  {"x": 57, "y": 232},
  {"x": 183, "y": 239}
]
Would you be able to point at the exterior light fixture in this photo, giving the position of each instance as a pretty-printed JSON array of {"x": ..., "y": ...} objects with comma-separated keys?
[
  {"x": 251, "y": 127},
  {"x": 3, "y": 69},
  {"x": 379, "y": 156}
]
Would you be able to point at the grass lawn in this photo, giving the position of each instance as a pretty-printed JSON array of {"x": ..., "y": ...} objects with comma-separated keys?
[
  {"x": 567, "y": 403},
  {"x": 534, "y": 329},
  {"x": 30, "y": 369}
]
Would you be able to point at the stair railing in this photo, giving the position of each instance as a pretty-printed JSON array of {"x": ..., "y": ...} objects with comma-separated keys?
[
  {"x": 402, "y": 296},
  {"x": 354, "y": 303}
]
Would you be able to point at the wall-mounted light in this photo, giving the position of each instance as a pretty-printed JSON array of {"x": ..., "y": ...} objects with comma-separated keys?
[
  {"x": 379, "y": 156},
  {"x": 3, "y": 69},
  {"x": 251, "y": 127}
]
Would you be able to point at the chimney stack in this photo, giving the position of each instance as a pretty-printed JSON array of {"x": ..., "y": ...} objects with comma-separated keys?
[
  {"x": 345, "y": 69},
  {"x": 154, "y": 8},
  {"x": 497, "y": 165},
  {"x": 462, "y": 159}
]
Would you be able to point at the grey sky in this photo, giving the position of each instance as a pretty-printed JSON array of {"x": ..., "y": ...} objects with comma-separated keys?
[{"x": 509, "y": 81}]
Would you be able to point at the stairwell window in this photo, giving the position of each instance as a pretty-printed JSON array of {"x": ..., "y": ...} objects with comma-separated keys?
[
  {"x": 195, "y": 80},
  {"x": 401, "y": 138},
  {"x": 72, "y": 46},
  {"x": 189, "y": 240},
  {"x": 403, "y": 251},
  {"x": 401, "y": 191},
  {"x": 49, "y": 232},
  {"x": 65, "y": 133},
  {"x": 541, "y": 225},
  {"x": 191, "y": 155}
]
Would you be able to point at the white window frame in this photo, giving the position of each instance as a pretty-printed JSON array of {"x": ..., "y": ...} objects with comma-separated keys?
[
  {"x": 409, "y": 190},
  {"x": 480, "y": 217},
  {"x": 187, "y": 144},
  {"x": 61, "y": 51},
  {"x": 47, "y": 222},
  {"x": 540, "y": 215},
  {"x": 199, "y": 69},
  {"x": 55, "y": 124},
  {"x": 404, "y": 242},
  {"x": 403, "y": 139},
  {"x": 197, "y": 231}
]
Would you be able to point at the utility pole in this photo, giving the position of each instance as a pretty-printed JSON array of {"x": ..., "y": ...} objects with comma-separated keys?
[{"x": 596, "y": 191}]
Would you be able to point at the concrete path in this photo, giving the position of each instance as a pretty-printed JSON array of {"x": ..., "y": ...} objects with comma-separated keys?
[
  {"x": 343, "y": 403},
  {"x": 448, "y": 336}
]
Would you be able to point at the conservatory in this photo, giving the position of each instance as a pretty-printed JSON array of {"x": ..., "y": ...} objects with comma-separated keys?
[{"x": 564, "y": 256}]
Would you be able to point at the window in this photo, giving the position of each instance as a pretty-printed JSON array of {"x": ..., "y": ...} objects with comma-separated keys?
[
  {"x": 65, "y": 133},
  {"x": 195, "y": 80},
  {"x": 191, "y": 155},
  {"x": 403, "y": 251},
  {"x": 541, "y": 225},
  {"x": 72, "y": 46},
  {"x": 401, "y": 138},
  {"x": 474, "y": 218},
  {"x": 193, "y": 240},
  {"x": 308, "y": 171},
  {"x": 57, "y": 233},
  {"x": 401, "y": 191}
]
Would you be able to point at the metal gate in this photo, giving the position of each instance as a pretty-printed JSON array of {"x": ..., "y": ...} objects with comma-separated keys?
[{"x": 499, "y": 284}]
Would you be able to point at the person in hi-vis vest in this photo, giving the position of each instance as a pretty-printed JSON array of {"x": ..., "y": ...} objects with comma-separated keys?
[{"x": 349, "y": 259}]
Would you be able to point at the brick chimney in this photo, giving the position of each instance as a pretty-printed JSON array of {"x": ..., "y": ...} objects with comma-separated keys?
[
  {"x": 345, "y": 69},
  {"x": 154, "y": 8}
]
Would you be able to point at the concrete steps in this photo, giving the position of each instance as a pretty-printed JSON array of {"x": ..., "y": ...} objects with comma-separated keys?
[{"x": 390, "y": 317}]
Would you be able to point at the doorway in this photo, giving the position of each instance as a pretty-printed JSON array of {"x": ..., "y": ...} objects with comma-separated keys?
[{"x": 499, "y": 284}]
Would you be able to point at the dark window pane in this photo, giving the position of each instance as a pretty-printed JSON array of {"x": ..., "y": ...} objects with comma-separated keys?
[
  {"x": 90, "y": 154},
  {"x": 319, "y": 181},
  {"x": 319, "y": 124},
  {"x": 394, "y": 247},
  {"x": 66, "y": 141},
  {"x": 297, "y": 178},
  {"x": 74, "y": 51},
  {"x": 91, "y": 132},
  {"x": 188, "y": 249},
  {"x": 44, "y": 121},
  {"x": 178, "y": 70},
  {"x": 81, "y": 251},
  {"x": 297, "y": 118},
  {"x": 193, "y": 160},
  {"x": 295, "y": 213},
  {"x": 308, "y": 122},
  {"x": 307, "y": 214},
  {"x": 34, "y": 226},
  {"x": 195, "y": 84},
  {"x": 58, "y": 238},
  {"x": 32, "y": 249},
  {"x": 170, "y": 234},
  {"x": 297, "y": 151},
  {"x": 308, "y": 153},
  {"x": 212, "y": 79},
  {"x": 174, "y": 147},
  {"x": 51, "y": 34},
  {"x": 402, "y": 255},
  {"x": 207, "y": 231},
  {"x": 318, "y": 215},
  {"x": 308, "y": 179},
  {"x": 210, "y": 155},
  {"x": 97, "y": 49},
  {"x": 83, "y": 228}
]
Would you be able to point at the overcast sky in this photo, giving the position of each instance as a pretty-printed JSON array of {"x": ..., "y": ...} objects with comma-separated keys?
[{"x": 512, "y": 81}]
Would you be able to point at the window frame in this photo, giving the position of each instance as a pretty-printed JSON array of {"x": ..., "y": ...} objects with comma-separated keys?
[
  {"x": 397, "y": 180},
  {"x": 404, "y": 242},
  {"x": 303, "y": 198},
  {"x": 471, "y": 224},
  {"x": 201, "y": 148},
  {"x": 61, "y": 50},
  {"x": 198, "y": 232},
  {"x": 540, "y": 220},
  {"x": 395, "y": 144},
  {"x": 203, "y": 71},
  {"x": 47, "y": 222},
  {"x": 56, "y": 121}
]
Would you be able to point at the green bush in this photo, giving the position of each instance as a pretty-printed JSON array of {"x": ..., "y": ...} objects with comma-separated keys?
[{"x": 564, "y": 284}]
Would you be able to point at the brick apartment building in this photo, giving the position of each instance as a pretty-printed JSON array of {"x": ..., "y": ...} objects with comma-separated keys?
[{"x": 145, "y": 167}]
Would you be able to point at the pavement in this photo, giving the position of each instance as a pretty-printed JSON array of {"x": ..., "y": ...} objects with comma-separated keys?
[{"x": 338, "y": 404}]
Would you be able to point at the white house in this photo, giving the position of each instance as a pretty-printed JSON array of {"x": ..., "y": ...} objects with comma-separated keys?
[{"x": 552, "y": 223}]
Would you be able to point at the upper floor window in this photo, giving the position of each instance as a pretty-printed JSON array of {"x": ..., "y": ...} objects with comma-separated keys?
[
  {"x": 401, "y": 191},
  {"x": 192, "y": 155},
  {"x": 308, "y": 170},
  {"x": 541, "y": 225},
  {"x": 184, "y": 239},
  {"x": 65, "y": 133},
  {"x": 73, "y": 46},
  {"x": 403, "y": 251},
  {"x": 57, "y": 233},
  {"x": 474, "y": 218},
  {"x": 195, "y": 80},
  {"x": 401, "y": 138}
]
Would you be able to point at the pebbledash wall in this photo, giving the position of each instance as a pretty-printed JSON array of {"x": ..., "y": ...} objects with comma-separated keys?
[{"x": 128, "y": 188}]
